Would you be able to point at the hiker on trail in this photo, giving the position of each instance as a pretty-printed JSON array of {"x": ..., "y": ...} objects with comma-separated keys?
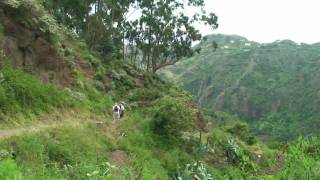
[
  {"x": 121, "y": 110},
  {"x": 116, "y": 112}
]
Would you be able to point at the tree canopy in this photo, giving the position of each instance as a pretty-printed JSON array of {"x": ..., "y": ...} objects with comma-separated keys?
[{"x": 160, "y": 33}]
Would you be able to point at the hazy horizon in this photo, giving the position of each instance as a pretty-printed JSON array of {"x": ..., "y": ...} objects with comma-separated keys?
[
  {"x": 267, "y": 21},
  {"x": 217, "y": 33}
]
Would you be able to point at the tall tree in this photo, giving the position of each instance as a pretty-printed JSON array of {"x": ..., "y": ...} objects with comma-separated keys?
[
  {"x": 99, "y": 22},
  {"x": 164, "y": 32}
]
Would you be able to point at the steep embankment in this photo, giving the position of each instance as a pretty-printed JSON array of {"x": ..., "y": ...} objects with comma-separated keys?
[{"x": 274, "y": 86}]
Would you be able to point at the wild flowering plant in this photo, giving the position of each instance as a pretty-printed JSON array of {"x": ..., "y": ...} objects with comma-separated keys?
[{"x": 193, "y": 171}]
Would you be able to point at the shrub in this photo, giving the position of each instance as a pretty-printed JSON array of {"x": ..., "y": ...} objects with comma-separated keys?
[
  {"x": 145, "y": 95},
  {"x": 239, "y": 156},
  {"x": 242, "y": 131},
  {"x": 233, "y": 151},
  {"x": 172, "y": 118},
  {"x": 4, "y": 154},
  {"x": 100, "y": 73},
  {"x": 98, "y": 103},
  {"x": 38, "y": 17},
  {"x": 107, "y": 47},
  {"x": 127, "y": 82}
]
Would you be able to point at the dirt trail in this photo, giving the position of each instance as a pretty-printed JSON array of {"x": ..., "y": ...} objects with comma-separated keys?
[
  {"x": 6, "y": 133},
  {"x": 51, "y": 121},
  {"x": 278, "y": 166},
  {"x": 39, "y": 126}
]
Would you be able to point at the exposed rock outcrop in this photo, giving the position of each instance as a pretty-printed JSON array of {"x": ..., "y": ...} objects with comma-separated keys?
[{"x": 30, "y": 50}]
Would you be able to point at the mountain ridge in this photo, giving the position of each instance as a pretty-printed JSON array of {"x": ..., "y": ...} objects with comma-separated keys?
[
  {"x": 257, "y": 82},
  {"x": 216, "y": 36}
]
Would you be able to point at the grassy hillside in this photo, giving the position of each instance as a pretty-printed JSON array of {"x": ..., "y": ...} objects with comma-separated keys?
[
  {"x": 273, "y": 86},
  {"x": 55, "y": 121}
]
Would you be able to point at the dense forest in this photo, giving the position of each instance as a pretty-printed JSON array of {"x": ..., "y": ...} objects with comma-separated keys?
[{"x": 64, "y": 64}]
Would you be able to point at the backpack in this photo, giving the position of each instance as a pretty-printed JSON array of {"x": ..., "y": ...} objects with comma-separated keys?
[
  {"x": 121, "y": 106},
  {"x": 116, "y": 108}
]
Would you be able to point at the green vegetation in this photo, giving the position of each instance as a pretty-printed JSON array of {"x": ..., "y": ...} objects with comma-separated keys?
[
  {"x": 303, "y": 160},
  {"x": 197, "y": 170},
  {"x": 59, "y": 153},
  {"x": 22, "y": 92},
  {"x": 172, "y": 119},
  {"x": 9, "y": 169}
]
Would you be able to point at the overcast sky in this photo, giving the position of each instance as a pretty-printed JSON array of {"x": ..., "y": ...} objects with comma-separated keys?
[{"x": 268, "y": 20}]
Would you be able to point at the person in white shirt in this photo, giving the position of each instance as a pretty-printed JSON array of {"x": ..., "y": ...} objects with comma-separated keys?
[{"x": 116, "y": 112}]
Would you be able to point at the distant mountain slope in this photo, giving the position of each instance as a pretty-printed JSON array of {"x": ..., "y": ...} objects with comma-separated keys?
[{"x": 275, "y": 86}]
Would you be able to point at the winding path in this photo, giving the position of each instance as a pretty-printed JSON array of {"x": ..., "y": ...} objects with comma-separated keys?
[
  {"x": 38, "y": 126},
  {"x": 51, "y": 121}
]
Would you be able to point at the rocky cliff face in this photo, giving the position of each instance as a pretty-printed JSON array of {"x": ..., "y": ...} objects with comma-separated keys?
[{"x": 30, "y": 50}]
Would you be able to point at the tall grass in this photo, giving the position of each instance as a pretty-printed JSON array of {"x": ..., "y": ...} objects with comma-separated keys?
[
  {"x": 61, "y": 153},
  {"x": 20, "y": 92}
]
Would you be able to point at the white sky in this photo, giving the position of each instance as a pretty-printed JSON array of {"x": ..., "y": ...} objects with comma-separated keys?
[{"x": 268, "y": 20}]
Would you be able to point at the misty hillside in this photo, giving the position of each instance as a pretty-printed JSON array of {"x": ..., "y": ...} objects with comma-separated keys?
[{"x": 274, "y": 86}]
